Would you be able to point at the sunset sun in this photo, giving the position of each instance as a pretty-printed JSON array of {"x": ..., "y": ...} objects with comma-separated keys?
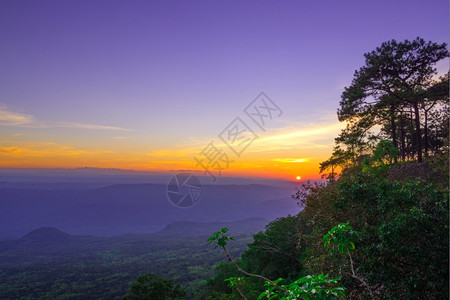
[{"x": 298, "y": 178}]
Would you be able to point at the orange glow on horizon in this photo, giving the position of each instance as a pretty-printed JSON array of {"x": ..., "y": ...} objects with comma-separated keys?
[
  {"x": 283, "y": 154},
  {"x": 57, "y": 156},
  {"x": 255, "y": 169}
]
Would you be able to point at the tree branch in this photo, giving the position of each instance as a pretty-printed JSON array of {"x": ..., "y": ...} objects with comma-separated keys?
[
  {"x": 353, "y": 275},
  {"x": 250, "y": 274}
]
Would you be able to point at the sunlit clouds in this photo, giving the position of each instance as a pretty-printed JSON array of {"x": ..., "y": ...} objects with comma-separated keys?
[
  {"x": 10, "y": 150},
  {"x": 14, "y": 119},
  {"x": 279, "y": 152},
  {"x": 291, "y": 160},
  {"x": 10, "y": 118}
]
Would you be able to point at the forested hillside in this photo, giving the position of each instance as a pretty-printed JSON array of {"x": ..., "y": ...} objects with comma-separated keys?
[{"x": 401, "y": 252}]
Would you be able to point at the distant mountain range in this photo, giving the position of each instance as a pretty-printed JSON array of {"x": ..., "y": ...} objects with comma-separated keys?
[
  {"x": 133, "y": 208},
  {"x": 12, "y": 177},
  {"x": 88, "y": 233},
  {"x": 49, "y": 243}
]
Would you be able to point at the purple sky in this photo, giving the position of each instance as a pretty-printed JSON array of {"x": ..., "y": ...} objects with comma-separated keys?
[{"x": 176, "y": 72}]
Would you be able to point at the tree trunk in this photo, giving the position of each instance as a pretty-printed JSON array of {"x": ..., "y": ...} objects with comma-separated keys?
[
  {"x": 402, "y": 137},
  {"x": 412, "y": 139},
  {"x": 394, "y": 129},
  {"x": 425, "y": 128},
  {"x": 418, "y": 133}
]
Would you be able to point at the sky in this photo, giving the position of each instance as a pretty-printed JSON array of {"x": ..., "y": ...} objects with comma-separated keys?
[{"x": 154, "y": 85}]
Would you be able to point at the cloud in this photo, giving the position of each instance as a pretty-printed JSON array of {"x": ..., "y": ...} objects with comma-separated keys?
[
  {"x": 311, "y": 136},
  {"x": 14, "y": 119},
  {"x": 9, "y": 118},
  {"x": 312, "y": 132},
  {"x": 48, "y": 149},
  {"x": 291, "y": 160},
  {"x": 86, "y": 126},
  {"x": 10, "y": 150},
  {"x": 285, "y": 142}
]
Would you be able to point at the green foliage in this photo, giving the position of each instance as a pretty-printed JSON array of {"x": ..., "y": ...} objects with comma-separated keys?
[
  {"x": 398, "y": 220},
  {"x": 341, "y": 238},
  {"x": 220, "y": 238},
  {"x": 151, "y": 286},
  {"x": 276, "y": 252},
  {"x": 385, "y": 153},
  {"x": 233, "y": 281},
  {"x": 402, "y": 248},
  {"x": 413, "y": 243},
  {"x": 308, "y": 287},
  {"x": 383, "y": 157}
]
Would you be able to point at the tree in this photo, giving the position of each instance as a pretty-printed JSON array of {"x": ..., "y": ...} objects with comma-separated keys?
[
  {"x": 152, "y": 286},
  {"x": 383, "y": 157},
  {"x": 437, "y": 96},
  {"x": 275, "y": 252},
  {"x": 339, "y": 159},
  {"x": 307, "y": 287},
  {"x": 395, "y": 75}
]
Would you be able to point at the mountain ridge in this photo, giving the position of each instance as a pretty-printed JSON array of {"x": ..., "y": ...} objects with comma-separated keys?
[{"x": 133, "y": 208}]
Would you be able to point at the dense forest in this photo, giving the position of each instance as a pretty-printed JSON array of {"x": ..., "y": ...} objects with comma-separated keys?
[
  {"x": 50, "y": 264},
  {"x": 378, "y": 228}
]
